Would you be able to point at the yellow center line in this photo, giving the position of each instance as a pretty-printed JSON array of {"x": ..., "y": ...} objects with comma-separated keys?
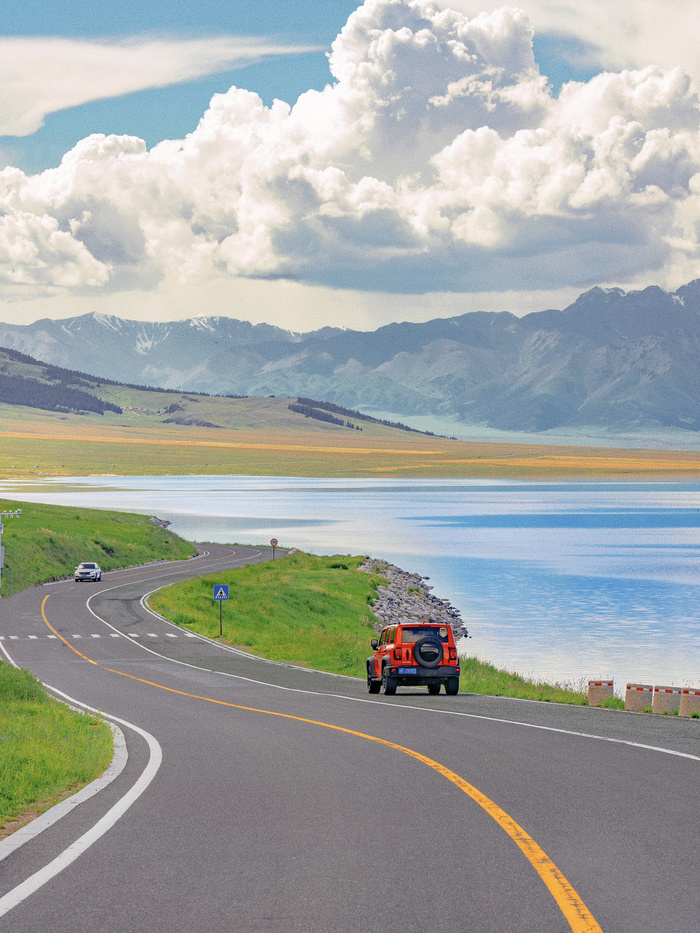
[{"x": 571, "y": 905}]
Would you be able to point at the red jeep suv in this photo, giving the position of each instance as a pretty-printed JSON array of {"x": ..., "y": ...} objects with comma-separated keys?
[{"x": 422, "y": 654}]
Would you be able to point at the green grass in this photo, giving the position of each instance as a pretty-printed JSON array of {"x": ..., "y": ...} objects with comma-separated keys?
[
  {"x": 480, "y": 677},
  {"x": 304, "y": 609},
  {"x": 47, "y": 542},
  {"x": 612, "y": 703},
  {"x": 46, "y": 748}
]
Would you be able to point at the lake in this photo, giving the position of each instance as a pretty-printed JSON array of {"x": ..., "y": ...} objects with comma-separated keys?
[{"x": 560, "y": 580}]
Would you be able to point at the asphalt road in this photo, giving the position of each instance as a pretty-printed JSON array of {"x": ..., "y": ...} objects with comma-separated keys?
[{"x": 264, "y": 797}]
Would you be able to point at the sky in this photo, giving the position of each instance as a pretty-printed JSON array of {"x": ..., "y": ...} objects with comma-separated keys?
[{"x": 314, "y": 163}]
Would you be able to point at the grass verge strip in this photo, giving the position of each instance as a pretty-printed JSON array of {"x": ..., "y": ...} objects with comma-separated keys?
[{"x": 46, "y": 749}]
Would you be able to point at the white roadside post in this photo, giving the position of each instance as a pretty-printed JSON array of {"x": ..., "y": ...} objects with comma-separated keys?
[{"x": 2, "y": 549}]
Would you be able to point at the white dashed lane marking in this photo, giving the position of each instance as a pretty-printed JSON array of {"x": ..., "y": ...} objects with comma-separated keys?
[{"x": 96, "y": 635}]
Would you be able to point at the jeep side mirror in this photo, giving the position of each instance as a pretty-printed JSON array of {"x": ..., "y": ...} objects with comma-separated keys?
[{"x": 374, "y": 643}]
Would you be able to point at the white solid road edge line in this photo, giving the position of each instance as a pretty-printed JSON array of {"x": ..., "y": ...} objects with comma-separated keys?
[{"x": 76, "y": 849}]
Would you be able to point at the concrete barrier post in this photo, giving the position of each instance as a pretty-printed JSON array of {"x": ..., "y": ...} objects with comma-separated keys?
[
  {"x": 690, "y": 701},
  {"x": 666, "y": 699},
  {"x": 638, "y": 697},
  {"x": 598, "y": 691}
]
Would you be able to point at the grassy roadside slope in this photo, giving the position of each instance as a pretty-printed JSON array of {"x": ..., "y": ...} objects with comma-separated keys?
[
  {"x": 47, "y": 542},
  {"x": 307, "y": 610},
  {"x": 315, "y": 612},
  {"x": 46, "y": 749}
]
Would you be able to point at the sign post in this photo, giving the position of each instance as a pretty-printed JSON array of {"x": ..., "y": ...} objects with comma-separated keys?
[
  {"x": 220, "y": 597},
  {"x": 2, "y": 549},
  {"x": 274, "y": 542}
]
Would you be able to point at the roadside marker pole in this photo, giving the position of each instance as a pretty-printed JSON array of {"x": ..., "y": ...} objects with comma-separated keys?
[
  {"x": 2, "y": 549},
  {"x": 274, "y": 542}
]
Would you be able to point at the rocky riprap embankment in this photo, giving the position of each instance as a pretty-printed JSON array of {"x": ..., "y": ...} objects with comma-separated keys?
[
  {"x": 163, "y": 522},
  {"x": 407, "y": 598}
]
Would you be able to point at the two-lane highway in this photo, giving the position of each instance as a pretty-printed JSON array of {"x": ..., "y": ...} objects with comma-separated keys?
[{"x": 267, "y": 797}]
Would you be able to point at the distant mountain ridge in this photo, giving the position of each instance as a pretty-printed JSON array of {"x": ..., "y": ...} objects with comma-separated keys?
[{"x": 612, "y": 360}]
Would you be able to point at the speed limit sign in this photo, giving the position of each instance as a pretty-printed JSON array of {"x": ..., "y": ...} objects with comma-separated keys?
[{"x": 274, "y": 542}]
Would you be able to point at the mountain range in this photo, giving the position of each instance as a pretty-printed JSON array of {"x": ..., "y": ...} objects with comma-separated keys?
[{"x": 612, "y": 360}]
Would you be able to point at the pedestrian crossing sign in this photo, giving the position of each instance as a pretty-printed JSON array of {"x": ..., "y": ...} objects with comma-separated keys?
[{"x": 221, "y": 592}]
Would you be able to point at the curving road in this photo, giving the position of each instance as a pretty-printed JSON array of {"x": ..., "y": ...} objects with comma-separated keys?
[{"x": 264, "y": 797}]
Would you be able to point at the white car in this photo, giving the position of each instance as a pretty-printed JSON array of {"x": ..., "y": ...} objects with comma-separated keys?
[{"x": 88, "y": 571}]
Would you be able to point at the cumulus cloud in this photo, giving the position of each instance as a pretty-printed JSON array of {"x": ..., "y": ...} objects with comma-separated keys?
[
  {"x": 614, "y": 34},
  {"x": 437, "y": 159},
  {"x": 43, "y": 75}
]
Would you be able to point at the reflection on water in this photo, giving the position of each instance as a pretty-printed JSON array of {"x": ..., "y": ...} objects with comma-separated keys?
[{"x": 556, "y": 580}]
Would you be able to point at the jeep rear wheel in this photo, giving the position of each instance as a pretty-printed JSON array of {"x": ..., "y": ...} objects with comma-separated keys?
[
  {"x": 433, "y": 689},
  {"x": 428, "y": 652},
  {"x": 388, "y": 682},
  {"x": 452, "y": 686}
]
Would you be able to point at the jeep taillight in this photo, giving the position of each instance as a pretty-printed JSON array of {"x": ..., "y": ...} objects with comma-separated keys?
[
  {"x": 453, "y": 654},
  {"x": 397, "y": 654}
]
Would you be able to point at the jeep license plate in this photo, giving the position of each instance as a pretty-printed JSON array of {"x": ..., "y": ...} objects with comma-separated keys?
[{"x": 408, "y": 670}]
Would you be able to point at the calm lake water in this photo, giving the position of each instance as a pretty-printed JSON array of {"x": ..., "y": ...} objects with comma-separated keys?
[{"x": 563, "y": 581}]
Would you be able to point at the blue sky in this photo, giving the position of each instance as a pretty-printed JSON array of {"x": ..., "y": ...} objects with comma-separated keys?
[
  {"x": 447, "y": 166},
  {"x": 173, "y": 111}
]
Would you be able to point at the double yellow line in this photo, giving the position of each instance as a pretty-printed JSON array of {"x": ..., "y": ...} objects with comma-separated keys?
[{"x": 571, "y": 905}]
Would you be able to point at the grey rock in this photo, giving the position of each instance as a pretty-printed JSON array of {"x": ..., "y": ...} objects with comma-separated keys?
[{"x": 407, "y": 599}]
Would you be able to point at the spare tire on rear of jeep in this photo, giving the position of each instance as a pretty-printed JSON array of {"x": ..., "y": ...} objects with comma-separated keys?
[{"x": 428, "y": 652}]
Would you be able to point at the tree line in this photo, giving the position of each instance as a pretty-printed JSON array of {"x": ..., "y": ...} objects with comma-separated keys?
[
  {"x": 349, "y": 412},
  {"x": 14, "y": 390}
]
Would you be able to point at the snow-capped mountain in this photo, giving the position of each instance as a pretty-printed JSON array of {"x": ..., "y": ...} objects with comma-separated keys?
[{"x": 613, "y": 359}]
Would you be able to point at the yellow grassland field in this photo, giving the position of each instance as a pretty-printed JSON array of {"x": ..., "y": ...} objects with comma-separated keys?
[{"x": 262, "y": 437}]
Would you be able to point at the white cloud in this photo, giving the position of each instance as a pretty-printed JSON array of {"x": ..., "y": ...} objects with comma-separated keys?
[
  {"x": 438, "y": 160},
  {"x": 43, "y": 75},
  {"x": 615, "y": 34}
]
